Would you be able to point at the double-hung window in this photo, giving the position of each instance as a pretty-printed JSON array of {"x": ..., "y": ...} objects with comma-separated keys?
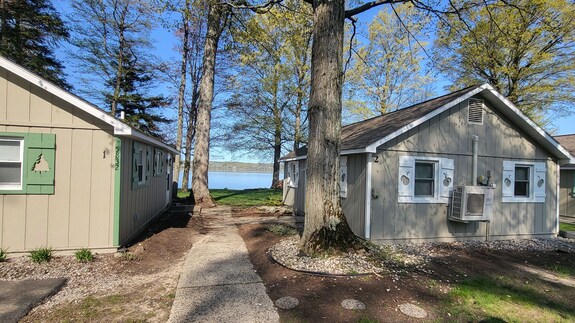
[
  {"x": 11, "y": 160},
  {"x": 425, "y": 179},
  {"x": 293, "y": 174},
  {"x": 524, "y": 181}
]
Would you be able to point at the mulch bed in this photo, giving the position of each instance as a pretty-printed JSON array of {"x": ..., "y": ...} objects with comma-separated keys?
[{"x": 320, "y": 297}]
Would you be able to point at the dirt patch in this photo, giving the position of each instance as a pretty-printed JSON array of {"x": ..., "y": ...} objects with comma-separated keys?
[
  {"x": 428, "y": 287},
  {"x": 138, "y": 285}
]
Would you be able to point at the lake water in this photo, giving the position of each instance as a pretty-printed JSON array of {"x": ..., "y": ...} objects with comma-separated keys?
[{"x": 239, "y": 181}]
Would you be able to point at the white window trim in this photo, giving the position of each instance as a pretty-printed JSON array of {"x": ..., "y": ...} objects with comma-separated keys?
[
  {"x": 443, "y": 166},
  {"x": 142, "y": 158},
  {"x": 343, "y": 177},
  {"x": 293, "y": 174},
  {"x": 15, "y": 187},
  {"x": 536, "y": 171}
]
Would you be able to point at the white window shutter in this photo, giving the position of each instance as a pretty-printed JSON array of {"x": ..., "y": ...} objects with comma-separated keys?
[
  {"x": 406, "y": 179},
  {"x": 445, "y": 179},
  {"x": 540, "y": 181},
  {"x": 508, "y": 180},
  {"x": 343, "y": 177}
]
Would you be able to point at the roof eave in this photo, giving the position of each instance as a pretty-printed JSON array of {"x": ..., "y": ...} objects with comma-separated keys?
[{"x": 120, "y": 128}]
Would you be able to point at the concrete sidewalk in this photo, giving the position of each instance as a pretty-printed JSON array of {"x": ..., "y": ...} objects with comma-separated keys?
[
  {"x": 17, "y": 298},
  {"x": 218, "y": 282}
]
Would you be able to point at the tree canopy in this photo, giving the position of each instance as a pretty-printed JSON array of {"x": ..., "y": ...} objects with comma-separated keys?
[
  {"x": 29, "y": 32},
  {"x": 525, "y": 49}
]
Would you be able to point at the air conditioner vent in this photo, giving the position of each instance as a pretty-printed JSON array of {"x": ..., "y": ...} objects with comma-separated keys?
[{"x": 475, "y": 111}]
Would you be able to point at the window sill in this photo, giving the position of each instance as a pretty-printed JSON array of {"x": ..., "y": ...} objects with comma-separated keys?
[
  {"x": 522, "y": 200},
  {"x": 429, "y": 200}
]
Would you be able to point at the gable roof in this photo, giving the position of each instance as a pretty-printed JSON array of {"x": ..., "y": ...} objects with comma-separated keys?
[
  {"x": 365, "y": 136},
  {"x": 567, "y": 141},
  {"x": 120, "y": 128}
]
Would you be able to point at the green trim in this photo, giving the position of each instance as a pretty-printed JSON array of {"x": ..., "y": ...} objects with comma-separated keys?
[
  {"x": 33, "y": 183},
  {"x": 117, "y": 189}
]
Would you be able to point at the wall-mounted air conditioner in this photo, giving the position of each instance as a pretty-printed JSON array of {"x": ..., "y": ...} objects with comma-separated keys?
[{"x": 471, "y": 203}]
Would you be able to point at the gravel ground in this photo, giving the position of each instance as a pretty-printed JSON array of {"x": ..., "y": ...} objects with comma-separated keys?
[
  {"x": 83, "y": 278},
  {"x": 395, "y": 258}
]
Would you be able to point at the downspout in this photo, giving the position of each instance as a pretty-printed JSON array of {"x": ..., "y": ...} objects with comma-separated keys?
[
  {"x": 557, "y": 198},
  {"x": 367, "y": 225},
  {"x": 474, "y": 165},
  {"x": 474, "y": 174}
]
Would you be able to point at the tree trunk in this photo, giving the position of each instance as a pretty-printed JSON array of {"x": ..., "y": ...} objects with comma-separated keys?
[
  {"x": 216, "y": 21},
  {"x": 326, "y": 230},
  {"x": 182, "y": 92}
]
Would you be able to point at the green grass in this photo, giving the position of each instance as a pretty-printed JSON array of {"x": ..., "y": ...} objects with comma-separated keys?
[
  {"x": 504, "y": 299},
  {"x": 244, "y": 198},
  {"x": 40, "y": 255},
  {"x": 3, "y": 255},
  {"x": 567, "y": 226},
  {"x": 84, "y": 255}
]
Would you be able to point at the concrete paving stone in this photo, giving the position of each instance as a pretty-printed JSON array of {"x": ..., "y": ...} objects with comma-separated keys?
[
  {"x": 287, "y": 302},
  {"x": 17, "y": 298},
  {"x": 352, "y": 304},
  {"x": 229, "y": 303},
  {"x": 412, "y": 310}
]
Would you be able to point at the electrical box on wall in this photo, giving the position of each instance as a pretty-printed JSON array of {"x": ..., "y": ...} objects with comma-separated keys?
[{"x": 471, "y": 203}]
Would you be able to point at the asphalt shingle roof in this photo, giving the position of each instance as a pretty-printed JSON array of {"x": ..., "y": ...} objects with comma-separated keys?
[
  {"x": 567, "y": 141},
  {"x": 364, "y": 133}
]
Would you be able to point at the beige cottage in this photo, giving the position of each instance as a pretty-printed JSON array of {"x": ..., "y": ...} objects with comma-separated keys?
[{"x": 72, "y": 176}]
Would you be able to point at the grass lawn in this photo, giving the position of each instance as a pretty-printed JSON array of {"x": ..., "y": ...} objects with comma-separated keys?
[
  {"x": 507, "y": 299},
  {"x": 245, "y": 198},
  {"x": 567, "y": 226}
]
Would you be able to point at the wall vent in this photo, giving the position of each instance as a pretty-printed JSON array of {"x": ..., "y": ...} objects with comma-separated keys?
[{"x": 475, "y": 111}]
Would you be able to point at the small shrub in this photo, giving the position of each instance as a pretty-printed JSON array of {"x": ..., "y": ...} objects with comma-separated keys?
[
  {"x": 84, "y": 255},
  {"x": 129, "y": 256},
  {"x": 40, "y": 255},
  {"x": 281, "y": 230},
  {"x": 3, "y": 255}
]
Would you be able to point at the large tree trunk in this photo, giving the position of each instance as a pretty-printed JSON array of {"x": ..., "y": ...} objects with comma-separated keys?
[
  {"x": 216, "y": 21},
  {"x": 326, "y": 229},
  {"x": 182, "y": 91}
]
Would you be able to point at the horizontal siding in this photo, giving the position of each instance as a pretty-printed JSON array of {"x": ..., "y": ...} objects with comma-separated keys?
[{"x": 450, "y": 136}]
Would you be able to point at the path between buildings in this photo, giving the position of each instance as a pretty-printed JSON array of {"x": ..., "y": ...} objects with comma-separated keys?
[{"x": 218, "y": 282}]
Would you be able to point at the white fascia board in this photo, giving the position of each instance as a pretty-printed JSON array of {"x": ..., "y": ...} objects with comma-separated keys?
[
  {"x": 341, "y": 153},
  {"x": 120, "y": 128},
  {"x": 373, "y": 147},
  {"x": 293, "y": 159},
  {"x": 151, "y": 140},
  {"x": 532, "y": 128}
]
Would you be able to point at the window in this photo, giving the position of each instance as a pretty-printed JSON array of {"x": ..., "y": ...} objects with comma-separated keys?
[
  {"x": 11, "y": 157},
  {"x": 293, "y": 174},
  {"x": 521, "y": 181},
  {"x": 158, "y": 162},
  {"x": 343, "y": 177},
  {"x": 27, "y": 163},
  {"x": 141, "y": 164},
  {"x": 524, "y": 181},
  {"x": 425, "y": 179},
  {"x": 141, "y": 161}
]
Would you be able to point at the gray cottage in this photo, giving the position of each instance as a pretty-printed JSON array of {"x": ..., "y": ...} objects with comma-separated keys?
[
  {"x": 464, "y": 166},
  {"x": 71, "y": 175},
  {"x": 567, "y": 185}
]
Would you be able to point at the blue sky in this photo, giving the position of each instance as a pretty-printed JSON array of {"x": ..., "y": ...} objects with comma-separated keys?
[{"x": 165, "y": 41}]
